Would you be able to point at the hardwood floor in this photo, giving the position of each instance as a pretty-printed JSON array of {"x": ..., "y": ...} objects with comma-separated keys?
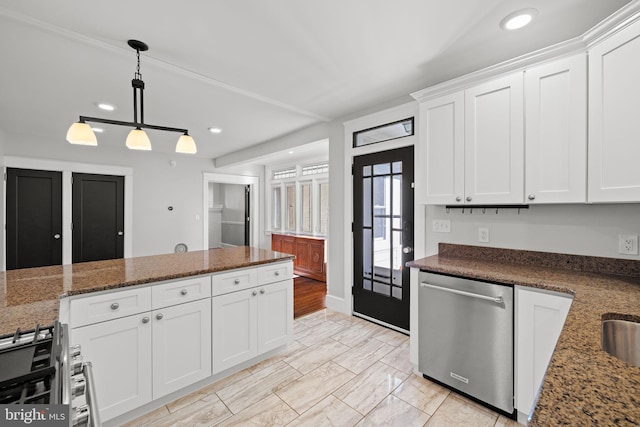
[{"x": 308, "y": 296}]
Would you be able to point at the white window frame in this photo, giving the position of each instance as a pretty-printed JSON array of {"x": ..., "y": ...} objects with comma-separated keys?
[{"x": 298, "y": 181}]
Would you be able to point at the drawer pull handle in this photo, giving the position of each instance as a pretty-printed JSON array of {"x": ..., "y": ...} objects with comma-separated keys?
[
  {"x": 183, "y": 292},
  {"x": 277, "y": 273},
  {"x": 159, "y": 316},
  {"x": 145, "y": 319},
  {"x": 261, "y": 291},
  {"x": 236, "y": 282},
  {"x": 254, "y": 293},
  {"x": 115, "y": 306}
]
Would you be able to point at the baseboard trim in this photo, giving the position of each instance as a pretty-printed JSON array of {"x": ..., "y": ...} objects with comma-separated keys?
[{"x": 338, "y": 304}]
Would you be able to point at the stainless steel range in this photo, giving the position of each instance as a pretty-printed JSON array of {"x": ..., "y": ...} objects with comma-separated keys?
[{"x": 38, "y": 367}]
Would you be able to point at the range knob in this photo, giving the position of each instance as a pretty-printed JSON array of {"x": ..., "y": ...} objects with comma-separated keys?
[
  {"x": 75, "y": 366},
  {"x": 80, "y": 416},
  {"x": 74, "y": 350},
  {"x": 78, "y": 386}
]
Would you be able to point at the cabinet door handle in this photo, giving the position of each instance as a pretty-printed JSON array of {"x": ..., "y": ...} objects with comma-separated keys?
[
  {"x": 115, "y": 306},
  {"x": 277, "y": 273},
  {"x": 531, "y": 197},
  {"x": 236, "y": 282},
  {"x": 254, "y": 293},
  {"x": 159, "y": 316},
  {"x": 261, "y": 291},
  {"x": 183, "y": 292},
  {"x": 468, "y": 198},
  {"x": 458, "y": 199},
  {"x": 145, "y": 319}
]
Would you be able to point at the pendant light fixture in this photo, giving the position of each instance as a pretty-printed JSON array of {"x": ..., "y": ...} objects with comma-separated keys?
[{"x": 82, "y": 134}]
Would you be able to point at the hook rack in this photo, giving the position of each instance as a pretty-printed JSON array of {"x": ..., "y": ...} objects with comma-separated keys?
[{"x": 485, "y": 207}]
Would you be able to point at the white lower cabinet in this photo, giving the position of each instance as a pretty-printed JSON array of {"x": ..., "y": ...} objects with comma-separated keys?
[
  {"x": 150, "y": 341},
  {"x": 250, "y": 322},
  {"x": 181, "y": 346},
  {"x": 539, "y": 320},
  {"x": 120, "y": 351},
  {"x": 234, "y": 328}
]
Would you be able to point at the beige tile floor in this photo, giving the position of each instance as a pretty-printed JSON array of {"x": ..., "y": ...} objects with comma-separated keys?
[{"x": 339, "y": 371}]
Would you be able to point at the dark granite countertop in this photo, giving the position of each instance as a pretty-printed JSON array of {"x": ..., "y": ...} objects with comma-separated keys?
[
  {"x": 31, "y": 296},
  {"x": 583, "y": 384}
]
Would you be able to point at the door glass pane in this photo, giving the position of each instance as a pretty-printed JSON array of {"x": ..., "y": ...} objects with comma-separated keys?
[
  {"x": 291, "y": 208},
  {"x": 366, "y": 171},
  {"x": 381, "y": 288},
  {"x": 366, "y": 253},
  {"x": 306, "y": 207},
  {"x": 366, "y": 202},
  {"x": 277, "y": 198},
  {"x": 397, "y": 201},
  {"x": 396, "y": 167},
  {"x": 397, "y": 258},
  {"x": 382, "y": 169}
]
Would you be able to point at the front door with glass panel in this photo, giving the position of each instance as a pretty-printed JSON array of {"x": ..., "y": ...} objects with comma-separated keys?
[{"x": 383, "y": 235}]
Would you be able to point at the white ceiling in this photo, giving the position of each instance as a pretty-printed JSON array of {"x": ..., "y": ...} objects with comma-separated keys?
[{"x": 257, "y": 69}]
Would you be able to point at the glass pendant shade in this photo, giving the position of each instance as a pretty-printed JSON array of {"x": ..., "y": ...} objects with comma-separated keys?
[
  {"x": 186, "y": 145},
  {"x": 138, "y": 140},
  {"x": 81, "y": 134}
]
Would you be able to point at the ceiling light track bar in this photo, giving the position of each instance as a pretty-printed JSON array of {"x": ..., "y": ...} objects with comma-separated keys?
[{"x": 131, "y": 124}]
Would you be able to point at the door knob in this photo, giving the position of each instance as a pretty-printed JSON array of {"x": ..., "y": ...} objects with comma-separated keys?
[
  {"x": 407, "y": 249},
  {"x": 56, "y": 236},
  {"x": 120, "y": 233}
]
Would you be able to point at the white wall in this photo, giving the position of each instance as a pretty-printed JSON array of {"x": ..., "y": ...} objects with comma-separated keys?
[
  {"x": 156, "y": 186},
  {"x": 575, "y": 229}
]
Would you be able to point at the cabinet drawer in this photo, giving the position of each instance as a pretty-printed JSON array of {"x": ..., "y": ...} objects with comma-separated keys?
[
  {"x": 235, "y": 280},
  {"x": 275, "y": 272},
  {"x": 180, "y": 291},
  {"x": 109, "y": 306}
]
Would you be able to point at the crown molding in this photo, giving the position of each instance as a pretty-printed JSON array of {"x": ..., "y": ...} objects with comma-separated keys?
[
  {"x": 617, "y": 21},
  {"x": 614, "y": 23},
  {"x": 75, "y": 36}
]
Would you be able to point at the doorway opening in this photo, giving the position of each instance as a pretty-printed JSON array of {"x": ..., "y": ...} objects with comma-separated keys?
[{"x": 229, "y": 215}]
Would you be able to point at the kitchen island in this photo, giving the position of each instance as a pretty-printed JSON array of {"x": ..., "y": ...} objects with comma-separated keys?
[
  {"x": 583, "y": 384},
  {"x": 159, "y": 327},
  {"x": 31, "y": 296}
]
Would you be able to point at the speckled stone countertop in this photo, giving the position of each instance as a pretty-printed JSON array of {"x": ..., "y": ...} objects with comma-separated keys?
[
  {"x": 584, "y": 385},
  {"x": 31, "y": 296}
]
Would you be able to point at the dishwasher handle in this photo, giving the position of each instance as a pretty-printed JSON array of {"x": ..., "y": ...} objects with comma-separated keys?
[{"x": 497, "y": 300}]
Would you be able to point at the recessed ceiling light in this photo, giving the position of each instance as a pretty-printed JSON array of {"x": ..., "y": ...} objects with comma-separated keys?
[
  {"x": 518, "y": 19},
  {"x": 104, "y": 106},
  {"x": 99, "y": 130},
  {"x": 291, "y": 152},
  {"x": 215, "y": 130}
]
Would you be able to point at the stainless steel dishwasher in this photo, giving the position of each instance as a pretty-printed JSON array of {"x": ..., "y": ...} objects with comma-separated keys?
[{"x": 466, "y": 337}]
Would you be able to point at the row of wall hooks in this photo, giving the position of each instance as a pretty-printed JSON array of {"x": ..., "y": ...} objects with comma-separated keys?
[{"x": 484, "y": 208}]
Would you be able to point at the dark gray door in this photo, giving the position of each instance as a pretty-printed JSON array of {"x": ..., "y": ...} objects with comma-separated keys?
[
  {"x": 98, "y": 217},
  {"x": 383, "y": 235},
  {"x": 34, "y": 218}
]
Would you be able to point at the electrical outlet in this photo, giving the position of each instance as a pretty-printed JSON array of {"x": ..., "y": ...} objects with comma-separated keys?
[
  {"x": 483, "y": 235},
  {"x": 628, "y": 244},
  {"x": 441, "y": 225}
]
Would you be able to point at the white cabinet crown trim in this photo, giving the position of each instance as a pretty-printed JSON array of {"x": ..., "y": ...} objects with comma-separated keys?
[{"x": 619, "y": 20}]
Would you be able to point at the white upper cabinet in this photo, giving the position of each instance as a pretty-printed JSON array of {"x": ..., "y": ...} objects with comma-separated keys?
[
  {"x": 442, "y": 148},
  {"x": 472, "y": 142},
  {"x": 614, "y": 118},
  {"x": 494, "y": 141},
  {"x": 556, "y": 131}
]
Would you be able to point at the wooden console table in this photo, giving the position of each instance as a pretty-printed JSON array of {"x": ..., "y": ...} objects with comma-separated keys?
[{"x": 309, "y": 252}]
